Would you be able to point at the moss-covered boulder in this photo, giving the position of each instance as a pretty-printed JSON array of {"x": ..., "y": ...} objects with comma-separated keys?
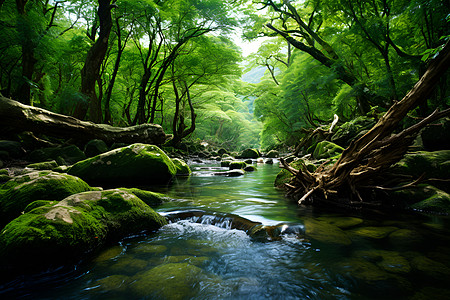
[
  {"x": 182, "y": 167},
  {"x": 237, "y": 165},
  {"x": 250, "y": 168},
  {"x": 434, "y": 164},
  {"x": 52, "y": 235},
  {"x": 326, "y": 149},
  {"x": 134, "y": 164},
  {"x": 69, "y": 154},
  {"x": 349, "y": 130},
  {"x": 425, "y": 198},
  {"x": 95, "y": 147},
  {"x": 389, "y": 261},
  {"x": 436, "y": 136},
  {"x": 152, "y": 199},
  {"x": 249, "y": 153},
  {"x": 20, "y": 191},
  {"x": 4, "y": 176}
]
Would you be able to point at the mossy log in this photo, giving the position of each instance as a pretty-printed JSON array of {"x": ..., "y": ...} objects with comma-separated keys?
[
  {"x": 16, "y": 117},
  {"x": 371, "y": 154}
]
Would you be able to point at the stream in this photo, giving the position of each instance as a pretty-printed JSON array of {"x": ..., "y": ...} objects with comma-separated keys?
[{"x": 209, "y": 250}]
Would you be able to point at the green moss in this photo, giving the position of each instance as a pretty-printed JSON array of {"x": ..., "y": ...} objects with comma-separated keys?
[
  {"x": 48, "y": 165},
  {"x": 20, "y": 191},
  {"x": 434, "y": 164},
  {"x": 374, "y": 232},
  {"x": 152, "y": 199},
  {"x": 426, "y": 198},
  {"x": 237, "y": 165},
  {"x": 137, "y": 163},
  {"x": 326, "y": 149},
  {"x": 342, "y": 222},
  {"x": 250, "y": 153},
  {"x": 389, "y": 261},
  {"x": 70, "y": 154},
  {"x": 38, "y": 203},
  {"x": 66, "y": 231},
  {"x": 182, "y": 167},
  {"x": 325, "y": 232},
  {"x": 349, "y": 130},
  {"x": 225, "y": 163},
  {"x": 284, "y": 176}
]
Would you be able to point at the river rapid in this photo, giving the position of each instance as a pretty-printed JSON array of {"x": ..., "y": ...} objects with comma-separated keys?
[{"x": 211, "y": 250}]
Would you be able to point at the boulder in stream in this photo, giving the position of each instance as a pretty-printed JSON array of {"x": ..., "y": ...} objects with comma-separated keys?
[
  {"x": 54, "y": 235},
  {"x": 134, "y": 164}
]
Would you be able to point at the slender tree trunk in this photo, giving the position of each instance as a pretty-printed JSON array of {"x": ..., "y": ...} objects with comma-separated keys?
[{"x": 93, "y": 62}]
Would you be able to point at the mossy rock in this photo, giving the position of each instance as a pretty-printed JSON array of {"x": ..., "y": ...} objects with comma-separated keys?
[
  {"x": 152, "y": 199},
  {"x": 406, "y": 239},
  {"x": 237, "y": 165},
  {"x": 374, "y": 232},
  {"x": 69, "y": 154},
  {"x": 434, "y": 164},
  {"x": 182, "y": 167},
  {"x": 436, "y": 136},
  {"x": 20, "y": 191},
  {"x": 389, "y": 261},
  {"x": 326, "y": 149},
  {"x": 38, "y": 203},
  {"x": 95, "y": 147},
  {"x": 117, "y": 283},
  {"x": 349, "y": 130},
  {"x": 109, "y": 253},
  {"x": 47, "y": 165},
  {"x": 325, "y": 232},
  {"x": 225, "y": 163},
  {"x": 250, "y": 153},
  {"x": 273, "y": 154},
  {"x": 431, "y": 268},
  {"x": 137, "y": 163},
  {"x": 425, "y": 198},
  {"x": 168, "y": 281},
  {"x": 62, "y": 233},
  {"x": 342, "y": 222}
]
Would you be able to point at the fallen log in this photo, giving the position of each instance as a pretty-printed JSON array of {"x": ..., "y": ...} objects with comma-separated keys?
[
  {"x": 373, "y": 153},
  {"x": 16, "y": 117}
]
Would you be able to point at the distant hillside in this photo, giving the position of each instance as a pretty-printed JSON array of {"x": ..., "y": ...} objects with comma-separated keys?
[{"x": 254, "y": 76}]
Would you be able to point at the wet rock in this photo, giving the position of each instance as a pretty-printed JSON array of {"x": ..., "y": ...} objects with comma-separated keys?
[
  {"x": 129, "y": 266},
  {"x": 326, "y": 149},
  {"x": 168, "y": 281},
  {"x": 112, "y": 283},
  {"x": 21, "y": 190},
  {"x": 95, "y": 147},
  {"x": 237, "y": 165},
  {"x": 249, "y": 153},
  {"x": 231, "y": 173},
  {"x": 325, "y": 233},
  {"x": 389, "y": 261},
  {"x": 342, "y": 222},
  {"x": 137, "y": 163},
  {"x": 431, "y": 268},
  {"x": 69, "y": 154},
  {"x": 47, "y": 165},
  {"x": 250, "y": 169},
  {"x": 109, "y": 253},
  {"x": 193, "y": 260},
  {"x": 373, "y": 232},
  {"x": 273, "y": 154},
  {"x": 53, "y": 235},
  {"x": 182, "y": 167},
  {"x": 269, "y": 161},
  {"x": 405, "y": 239},
  {"x": 11, "y": 149},
  {"x": 153, "y": 249},
  {"x": 248, "y": 161},
  {"x": 435, "y": 164}
]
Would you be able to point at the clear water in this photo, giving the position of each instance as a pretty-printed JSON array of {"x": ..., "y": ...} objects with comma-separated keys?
[{"x": 334, "y": 256}]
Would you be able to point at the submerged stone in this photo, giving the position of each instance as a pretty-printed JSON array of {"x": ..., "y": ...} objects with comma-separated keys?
[
  {"x": 431, "y": 267},
  {"x": 153, "y": 249},
  {"x": 64, "y": 232},
  {"x": 112, "y": 283},
  {"x": 168, "y": 281},
  {"x": 109, "y": 253},
  {"x": 405, "y": 239},
  {"x": 21, "y": 190},
  {"x": 342, "y": 222},
  {"x": 389, "y": 261},
  {"x": 325, "y": 233},
  {"x": 374, "y": 232},
  {"x": 137, "y": 163}
]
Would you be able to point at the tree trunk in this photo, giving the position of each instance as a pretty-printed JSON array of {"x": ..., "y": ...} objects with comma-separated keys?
[
  {"x": 17, "y": 117},
  {"x": 91, "y": 68},
  {"x": 377, "y": 150}
]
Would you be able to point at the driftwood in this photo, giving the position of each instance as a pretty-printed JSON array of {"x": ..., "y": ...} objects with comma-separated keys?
[
  {"x": 16, "y": 117},
  {"x": 374, "y": 152}
]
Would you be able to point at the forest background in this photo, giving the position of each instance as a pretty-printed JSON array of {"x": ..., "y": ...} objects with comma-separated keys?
[{"x": 174, "y": 63}]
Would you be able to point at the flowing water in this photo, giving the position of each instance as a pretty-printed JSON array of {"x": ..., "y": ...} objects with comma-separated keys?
[{"x": 239, "y": 238}]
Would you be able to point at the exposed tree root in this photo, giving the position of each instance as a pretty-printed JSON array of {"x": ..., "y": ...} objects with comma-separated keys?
[{"x": 371, "y": 154}]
